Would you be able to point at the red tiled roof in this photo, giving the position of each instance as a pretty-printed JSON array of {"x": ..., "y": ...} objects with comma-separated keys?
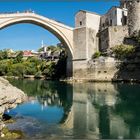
[{"x": 27, "y": 53}]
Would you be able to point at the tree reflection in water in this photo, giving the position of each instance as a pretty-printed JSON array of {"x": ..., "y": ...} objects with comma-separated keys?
[
  {"x": 48, "y": 93},
  {"x": 91, "y": 110},
  {"x": 127, "y": 107}
]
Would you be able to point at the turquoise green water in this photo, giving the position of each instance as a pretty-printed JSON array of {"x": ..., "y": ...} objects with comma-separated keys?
[{"x": 56, "y": 110}]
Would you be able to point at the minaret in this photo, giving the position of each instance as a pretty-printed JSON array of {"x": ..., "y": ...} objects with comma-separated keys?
[
  {"x": 134, "y": 17},
  {"x": 42, "y": 44}
]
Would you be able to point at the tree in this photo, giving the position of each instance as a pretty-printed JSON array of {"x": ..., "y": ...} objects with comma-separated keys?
[
  {"x": 122, "y": 51},
  {"x": 3, "y": 54},
  {"x": 61, "y": 67},
  {"x": 40, "y": 49},
  {"x": 19, "y": 57},
  {"x": 3, "y": 69},
  {"x": 38, "y": 74},
  {"x": 17, "y": 69},
  {"x": 50, "y": 69}
]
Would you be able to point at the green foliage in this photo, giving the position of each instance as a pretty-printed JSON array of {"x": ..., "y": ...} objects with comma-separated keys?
[
  {"x": 40, "y": 49},
  {"x": 19, "y": 57},
  {"x": 3, "y": 69},
  {"x": 122, "y": 51},
  {"x": 135, "y": 37},
  {"x": 51, "y": 47},
  {"x": 38, "y": 74},
  {"x": 33, "y": 66},
  {"x": 43, "y": 65},
  {"x": 50, "y": 69},
  {"x": 96, "y": 55},
  {"x": 61, "y": 67},
  {"x": 3, "y": 54},
  {"x": 17, "y": 70},
  {"x": 30, "y": 68}
]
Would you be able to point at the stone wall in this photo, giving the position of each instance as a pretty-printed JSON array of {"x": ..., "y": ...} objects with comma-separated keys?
[
  {"x": 80, "y": 43},
  {"x": 109, "y": 69},
  {"x": 117, "y": 35},
  {"x": 93, "y": 21},
  {"x": 112, "y": 36},
  {"x": 85, "y": 45},
  {"x": 85, "y": 34},
  {"x": 92, "y": 42},
  {"x": 80, "y": 19},
  {"x": 87, "y": 19},
  {"x": 102, "y": 69},
  {"x": 104, "y": 40}
]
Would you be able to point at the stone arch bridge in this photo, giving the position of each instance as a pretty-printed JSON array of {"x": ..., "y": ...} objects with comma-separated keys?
[{"x": 74, "y": 39}]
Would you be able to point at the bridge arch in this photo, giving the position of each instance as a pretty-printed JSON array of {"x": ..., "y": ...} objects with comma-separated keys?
[{"x": 62, "y": 32}]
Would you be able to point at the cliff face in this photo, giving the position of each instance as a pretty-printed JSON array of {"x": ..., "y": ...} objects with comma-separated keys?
[{"x": 10, "y": 96}]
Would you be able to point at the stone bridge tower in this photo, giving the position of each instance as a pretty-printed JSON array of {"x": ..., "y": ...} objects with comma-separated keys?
[
  {"x": 133, "y": 17},
  {"x": 85, "y": 40}
]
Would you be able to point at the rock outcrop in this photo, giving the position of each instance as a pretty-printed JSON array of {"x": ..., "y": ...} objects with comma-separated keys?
[{"x": 10, "y": 96}]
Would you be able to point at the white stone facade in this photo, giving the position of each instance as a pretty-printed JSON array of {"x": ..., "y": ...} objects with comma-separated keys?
[
  {"x": 116, "y": 16},
  {"x": 87, "y": 26},
  {"x": 87, "y": 19}
]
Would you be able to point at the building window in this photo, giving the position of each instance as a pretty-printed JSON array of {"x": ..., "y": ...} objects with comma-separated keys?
[
  {"x": 124, "y": 18},
  {"x": 122, "y": 13},
  {"x": 115, "y": 12},
  {"x": 80, "y": 23},
  {"x": 111, "y": 22}
]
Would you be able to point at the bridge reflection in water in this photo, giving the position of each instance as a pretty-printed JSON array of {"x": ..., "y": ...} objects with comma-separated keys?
[{"x": 91, "y": 110}]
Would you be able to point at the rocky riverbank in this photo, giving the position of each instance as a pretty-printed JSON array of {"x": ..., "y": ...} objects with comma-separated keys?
[{"x": 10, "y": 96}]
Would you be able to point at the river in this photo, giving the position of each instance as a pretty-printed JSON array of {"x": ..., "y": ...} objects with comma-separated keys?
[{"x": 56, "y": 110}]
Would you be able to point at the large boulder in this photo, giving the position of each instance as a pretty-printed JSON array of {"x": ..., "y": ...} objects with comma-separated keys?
[{"x": 10, "y": 96}]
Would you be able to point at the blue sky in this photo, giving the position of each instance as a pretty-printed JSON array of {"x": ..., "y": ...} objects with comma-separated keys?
[{"x": 28, "y": 36}]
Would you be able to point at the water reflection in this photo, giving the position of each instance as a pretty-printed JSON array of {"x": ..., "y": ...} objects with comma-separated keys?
[
  {"x": 46, "y": 95},
  {"x": 86, "y": 110}
]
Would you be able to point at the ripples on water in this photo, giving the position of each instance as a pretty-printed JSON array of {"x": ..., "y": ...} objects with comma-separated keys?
[{"x": 80, "y": 110}]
